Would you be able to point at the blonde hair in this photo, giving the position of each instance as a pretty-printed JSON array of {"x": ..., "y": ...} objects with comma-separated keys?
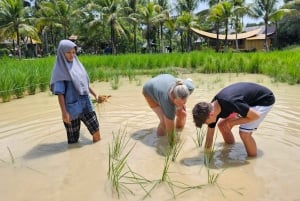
[{"x": 180, "y": 90}]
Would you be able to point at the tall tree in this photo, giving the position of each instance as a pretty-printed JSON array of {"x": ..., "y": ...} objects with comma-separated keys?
[
  {"x": 216, "y": 16},
  {"x": 264, "y": 9},
  {"x": 184, "y": 23},
  {"x": 150, "y": 15},
  {"x": 54, "y": 15},
  {"x": 14, "y": 22},
  {"x": 240, "y": 9},
  {"x": 114, "y": 13}
]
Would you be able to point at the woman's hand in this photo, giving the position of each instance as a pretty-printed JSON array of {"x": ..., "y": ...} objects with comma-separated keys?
[{"x": 66, "y": 118}]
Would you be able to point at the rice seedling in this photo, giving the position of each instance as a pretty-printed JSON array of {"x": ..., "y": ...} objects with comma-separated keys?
[
  {"x": 12, "y": 158},
  {"x": 32, "y": 81},
  {"x": 138, "y": 82},
  {"x": 212, "y": 177},
  {"x": 19, "y": 81},
  {"x": 200, "y": 134},
  {"x": 119, "y": 173},
  {"x": 115, "y": 81},
  {"x": 120, "y": 142},
  {"x": 6, "y": 86},
  {"x": 185, "y": 188},
  {"x": 175, "y": 145}
]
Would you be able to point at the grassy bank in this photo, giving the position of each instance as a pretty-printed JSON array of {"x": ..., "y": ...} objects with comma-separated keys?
[{"x": 23, "y": 77}]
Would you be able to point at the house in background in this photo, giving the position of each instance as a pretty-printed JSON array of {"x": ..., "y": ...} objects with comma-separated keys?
[{"x": 252, "y": 39}]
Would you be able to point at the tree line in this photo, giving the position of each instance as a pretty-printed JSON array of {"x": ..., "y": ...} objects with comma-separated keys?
[{"x": 131, "y": 26}]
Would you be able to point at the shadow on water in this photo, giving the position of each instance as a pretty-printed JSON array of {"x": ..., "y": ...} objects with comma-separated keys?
[
  {"x": 47, "y": 149},
  {"x": 225, "y": 156},
  {"x": 150, "y": 138}
]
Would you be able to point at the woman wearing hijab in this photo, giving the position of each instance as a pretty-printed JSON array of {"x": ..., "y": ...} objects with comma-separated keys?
[{"x": 70, "y": 82}]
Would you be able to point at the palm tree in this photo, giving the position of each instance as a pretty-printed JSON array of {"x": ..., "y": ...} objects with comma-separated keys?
[
  {"x": 150, "y": 15},
  {"x": 54, "y": 15},
  {"x": 239, "y": 11},
  {"x": 276, "y": 16},
  {"x": 164, "y": 6},
  {"x": 216, "y": 16},
  {"x": 226, "y": 13},
  {"x": 264, "y": 8},
  {"x": 184, "y": 23},
  {"x": 187, "y": 5},
  {"x": 170, "y": 29},
  {"x": 114, "y": 13},
  {"x": 14, "y": 22},
  {"x": 90, "y": 23},
  {"x": 133, "y": 4}
]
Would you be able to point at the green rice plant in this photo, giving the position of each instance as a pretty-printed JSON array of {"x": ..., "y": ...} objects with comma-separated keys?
[
  {"x": 11, "y": 155},
  {"x": 6, "y": 86},
  {"x": 32, "y": 81},
  {"x": 130, "y": 74},
  {"x": 165, "y": 174},
  {"x": 19, "y": 81},
  {"x": 255, "y": 64},
  {"x": 185, "y": 188},
  {"x": 175, "y": 145},
  {"x": 117, "y": 162},
  {"x": 200, "y": 134},
  {"x": 119, "y": 143},
  {"x": 185, "y": 63},
  {"x": 175, "y": 150},
  {"x": 193, "y": 60},
  {"x": 119, "y": 173},
  {"x": 209, "y": 153},
  {"x": 115, "y": 81},
  {"x": 212, "y": 177}
]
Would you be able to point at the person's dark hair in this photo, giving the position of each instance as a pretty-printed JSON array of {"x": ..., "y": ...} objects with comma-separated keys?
[{"x": 200, "y": 113}]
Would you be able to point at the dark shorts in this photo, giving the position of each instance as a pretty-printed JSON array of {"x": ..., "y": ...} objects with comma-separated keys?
[{"x": 73, "y": 129}]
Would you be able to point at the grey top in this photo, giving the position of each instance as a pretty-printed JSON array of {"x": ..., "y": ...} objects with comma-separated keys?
[{"x": 158, "y": 89}]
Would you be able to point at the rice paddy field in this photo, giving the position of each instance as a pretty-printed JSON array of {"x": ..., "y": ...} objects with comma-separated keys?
[
  {"x": 132, "y": 163},
  {"x": 30, "y": 76}
]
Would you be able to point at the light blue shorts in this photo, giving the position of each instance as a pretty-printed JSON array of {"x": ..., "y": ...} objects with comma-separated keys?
[{"x": 252, "y": 126}]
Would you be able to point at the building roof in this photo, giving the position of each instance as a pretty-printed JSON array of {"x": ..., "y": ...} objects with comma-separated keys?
[
  {"x": 258, "y": 37},
  {"x": 229, "y": 36}
]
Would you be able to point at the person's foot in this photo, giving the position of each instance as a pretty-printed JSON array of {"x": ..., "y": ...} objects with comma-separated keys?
[{"x": 96, "y": 137}]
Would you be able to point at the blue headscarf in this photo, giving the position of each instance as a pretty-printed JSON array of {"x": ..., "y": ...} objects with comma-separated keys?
[{"x": 69, "y": 71}]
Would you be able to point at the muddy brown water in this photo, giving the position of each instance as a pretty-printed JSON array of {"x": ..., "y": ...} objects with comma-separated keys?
[{"x": 36, "y": 164}]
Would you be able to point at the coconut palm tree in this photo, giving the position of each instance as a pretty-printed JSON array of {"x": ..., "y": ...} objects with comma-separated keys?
[
  {"x": 133, "y": 4},
  {"x": 276, "y": 16},
  {"x": 216, "y": 16},
  {"x": 150, "y": 15},
  {"x": 240, "y": 9},
  {"x": 264, "y": 9},
  {"x": 184, "y": 23},
  {"x": 115, "y": 14},
  {"x": 14, "y": 22},
  {"x": 54, "y": 15}
]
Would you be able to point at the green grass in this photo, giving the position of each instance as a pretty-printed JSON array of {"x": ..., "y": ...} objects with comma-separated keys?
[{"x": 282, "y": 66}]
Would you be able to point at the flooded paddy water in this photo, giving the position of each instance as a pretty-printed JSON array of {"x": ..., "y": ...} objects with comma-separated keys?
[{"x": 37, "y": 164}]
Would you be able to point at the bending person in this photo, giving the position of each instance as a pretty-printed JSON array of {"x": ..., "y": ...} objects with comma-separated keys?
[
  {"x": 167, "y": 96},
  {"x": 244, "y": 103}
]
